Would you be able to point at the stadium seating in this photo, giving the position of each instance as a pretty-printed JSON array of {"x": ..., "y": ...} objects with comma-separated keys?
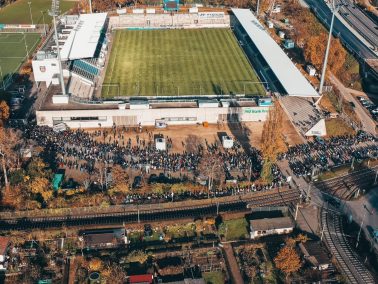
[
  {"x": 166, "y": 20},
  {"x": 302, "y": 112},
  {"x": 85, "y": 68},
  {"x": 80, "y": 89}
]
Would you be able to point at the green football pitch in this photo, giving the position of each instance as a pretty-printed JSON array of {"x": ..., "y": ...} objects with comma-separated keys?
[
  {"x": 19, "y": 12},
  {"x": 13, "y": 51},
  {"x": 177, "y": 63}
]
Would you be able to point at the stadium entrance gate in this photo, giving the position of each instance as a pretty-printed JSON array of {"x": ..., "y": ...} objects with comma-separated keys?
[{"x": 130, "y": 120}]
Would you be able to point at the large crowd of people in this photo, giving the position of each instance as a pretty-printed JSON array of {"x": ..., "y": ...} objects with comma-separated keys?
[
  {"x": 84, "y": 151},
  {"x": 325, "y": 154}
]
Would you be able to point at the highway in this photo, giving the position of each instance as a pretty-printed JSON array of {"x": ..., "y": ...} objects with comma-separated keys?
[
  {"x": 340, "y": 30},
  {"x": 360, "y": 21}
]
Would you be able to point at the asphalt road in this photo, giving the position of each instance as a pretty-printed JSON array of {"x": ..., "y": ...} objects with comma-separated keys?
[
  {"x": 340, "y": 30},
  {"x": 366, "y": 208},
  {"x": 359, "y": 21}
]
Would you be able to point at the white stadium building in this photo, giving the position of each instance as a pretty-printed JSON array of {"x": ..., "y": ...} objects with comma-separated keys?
[{"x": 83, "y": 46}]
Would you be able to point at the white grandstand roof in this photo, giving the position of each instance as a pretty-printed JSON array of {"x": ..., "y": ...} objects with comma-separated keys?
[
  {"x": 82, "y": 41},
  {"x": 286, "y": 72}
]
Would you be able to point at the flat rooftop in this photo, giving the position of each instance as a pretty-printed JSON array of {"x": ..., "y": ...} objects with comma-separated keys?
[
  {"x": 78, "y": 37},
  {"x": 292, "y": 80},
  {"x": 48, "y": 105}
]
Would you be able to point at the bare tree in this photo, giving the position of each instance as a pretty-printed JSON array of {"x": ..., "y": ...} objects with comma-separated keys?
[
  {"x": 211, "y": 166},
  {"x": 10, "y": 142}
]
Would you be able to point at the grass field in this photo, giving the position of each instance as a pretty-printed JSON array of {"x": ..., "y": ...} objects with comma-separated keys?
[
  {"x": 18, "y": 12},
  {"x": 178, "y": 62},
  {"x": 13, "y": 51}
]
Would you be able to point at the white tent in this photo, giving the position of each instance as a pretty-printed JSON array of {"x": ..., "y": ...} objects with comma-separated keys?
[
  {"x": 319, "y": 129},
  {"x": 160, "y": 144}
]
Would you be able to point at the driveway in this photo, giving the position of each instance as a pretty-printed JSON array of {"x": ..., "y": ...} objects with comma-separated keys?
[{"x": 368, "y": 123}]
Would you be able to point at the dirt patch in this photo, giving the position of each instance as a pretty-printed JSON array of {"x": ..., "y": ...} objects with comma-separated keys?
[
  {"x": 178, "y": 134},
  {"x": 338, "y": 127},
  {"x": 290, "y": 134}
]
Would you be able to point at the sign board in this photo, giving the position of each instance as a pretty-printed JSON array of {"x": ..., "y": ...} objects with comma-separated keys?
[
  {"x": 121, "y": 11},
  {"x": 138, "y": 11},
  {"x": 193, "y": 10},
  {"x": 150, "y": 11},
  {"x": 253, "y": 110},
  {"x": 19, "y": 26},
  {"x": 211, "y": 15}
]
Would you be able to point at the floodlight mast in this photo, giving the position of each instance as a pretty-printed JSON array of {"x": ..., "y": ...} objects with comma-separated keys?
[{"x": 54, "y": 12}]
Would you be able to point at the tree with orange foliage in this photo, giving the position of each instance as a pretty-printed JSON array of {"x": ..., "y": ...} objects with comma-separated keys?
[
  {"x": 120, "y": 180},
  {"x": 4, "y": 111},
  {"x": 41, "y": 186},
  {"x": 272, "y": 140},
  {"x": 287, "y": 260},
  {"x": 314, "y": 52},
  {"x": 95, "y": 264}
]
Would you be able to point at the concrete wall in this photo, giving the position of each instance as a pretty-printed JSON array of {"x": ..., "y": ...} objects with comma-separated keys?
[{"x": 148, "y": 117}]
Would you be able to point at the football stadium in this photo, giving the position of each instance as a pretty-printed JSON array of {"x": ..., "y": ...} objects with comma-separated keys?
[
  {"x": 162, "y": 66},
  {"x": 175, "y": 62}
]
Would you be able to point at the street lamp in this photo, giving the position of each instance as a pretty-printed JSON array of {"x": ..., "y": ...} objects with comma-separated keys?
[
  {"x": 31, "y": 16},
  {"x": 90, "y": 6},
  {"x": 54, "y": 12},
  {"x": 26, "y": 46},
  {"x": 335, "y": 9},
  {"x": 257, "y": 8},
  {"x": 44, "y": 24}
]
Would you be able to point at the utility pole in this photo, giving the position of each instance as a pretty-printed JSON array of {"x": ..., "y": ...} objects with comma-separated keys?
[
  {"x": 90, "y": 6},
  {"x": 322, "y": 234},
  {"x": 257, "y": 8},
  {"x": 362, "y": 223},
  {"x": 335, "y": 9},
  {"x": 54, "y": 12},
  {"x": 308, "y": 193},
  {"x": 30, "y": 11}
]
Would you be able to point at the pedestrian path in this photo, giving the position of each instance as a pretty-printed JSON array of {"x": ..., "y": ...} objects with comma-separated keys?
[{"x": 232, "y": 265}]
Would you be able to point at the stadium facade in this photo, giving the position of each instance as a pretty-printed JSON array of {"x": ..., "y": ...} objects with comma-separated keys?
[{"x": 84, "y": 47}]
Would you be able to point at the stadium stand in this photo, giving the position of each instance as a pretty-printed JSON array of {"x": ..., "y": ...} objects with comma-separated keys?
[
  {"x": 167, "y": 20},
  {"x": 79, "y": 88},
  {"x": 85, "y": 69},
  {"x": 302, "y": 112}
]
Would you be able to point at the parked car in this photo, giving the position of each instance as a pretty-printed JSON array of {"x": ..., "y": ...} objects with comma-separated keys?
[
  {"x": 375, "y": 235},
  {"x": 374, "y": 111}
]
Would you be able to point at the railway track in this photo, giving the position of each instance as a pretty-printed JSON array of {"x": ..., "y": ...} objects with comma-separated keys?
[
  {"x": 346, "y": 186},
  {"x": 349, "y": 262},
  {"x": 278, "y": 198}
]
